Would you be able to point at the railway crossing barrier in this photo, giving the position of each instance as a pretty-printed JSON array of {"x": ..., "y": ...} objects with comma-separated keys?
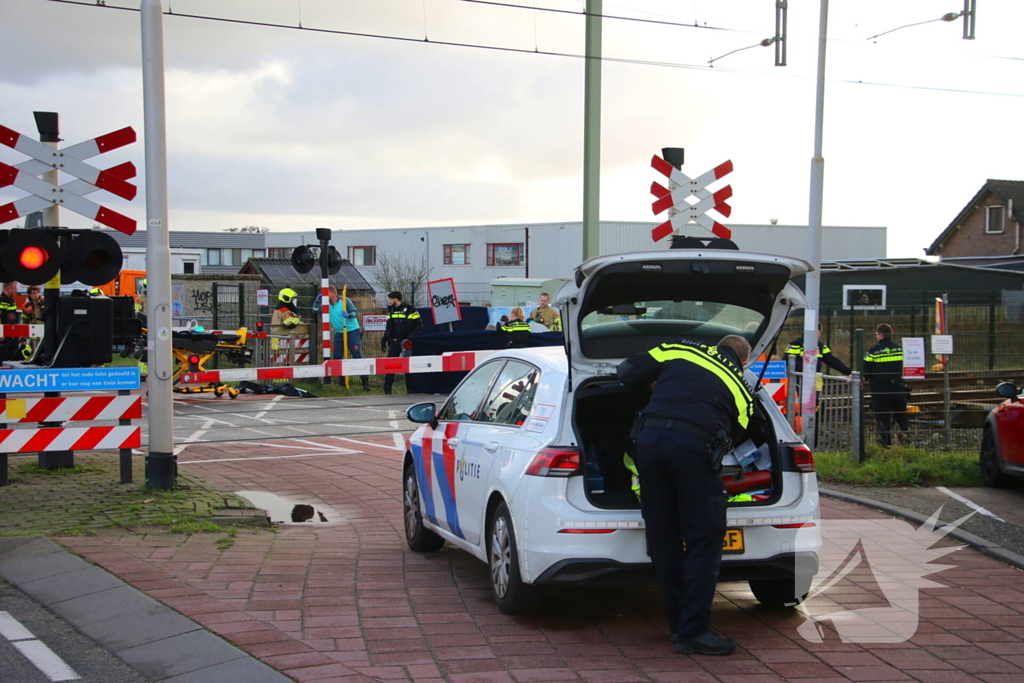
[{"x": 50, "y": 438}]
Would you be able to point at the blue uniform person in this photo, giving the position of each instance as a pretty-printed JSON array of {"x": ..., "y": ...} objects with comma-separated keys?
[
  {"x": 699, "y": 404},
  {"x": 403, "y": 322},
  {"x": 883, "y": 369}
]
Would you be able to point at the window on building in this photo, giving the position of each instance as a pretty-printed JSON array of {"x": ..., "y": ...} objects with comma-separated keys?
[
  {"x": 227, "y": 257},
  {"x": 362, "y": 256},
  {"x": 456, "y": 254},
  {"x": 278, "y": 252},
  {"x": 212, "y": 257},
  {"x": 189, "y": 267},
  {"x": 251, "y": 253},
  {"x": 995, "y": 217},
  {"x": 505, "y": 254}
]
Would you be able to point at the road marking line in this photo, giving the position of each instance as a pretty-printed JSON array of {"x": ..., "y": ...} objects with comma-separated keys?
[
  {"x": 969, "y": 503},
  {"x": 340, "y": 451},
  {"x": 351, "y": 426},
  {"x": 399, "y": 441},
  {"x": 372, "y": 445},
  {"x": 35, "y": 651},
  {"x": 269, "y": 406},
  {"x": 11, "y": 628}
]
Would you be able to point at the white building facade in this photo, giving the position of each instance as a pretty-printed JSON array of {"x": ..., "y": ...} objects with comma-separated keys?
[{"x": 474, "y": 255}]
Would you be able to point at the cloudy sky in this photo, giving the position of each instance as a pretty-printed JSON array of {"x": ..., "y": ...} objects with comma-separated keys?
[{"x": 354, "y": 120}]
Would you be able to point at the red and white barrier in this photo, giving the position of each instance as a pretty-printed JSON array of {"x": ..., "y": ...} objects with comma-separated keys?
[
  {"x": 69, "y": 439},
  {"x": 289, "y": 346},
  {"x": 78, "y": 408},
  {"x": 457, "y": 361},
  {"x": 21, "y": 330}
]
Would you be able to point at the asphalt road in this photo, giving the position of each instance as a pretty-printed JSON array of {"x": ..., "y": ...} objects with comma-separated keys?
[
  {"x": 90, "y": 662},
  {"x": 257, "y": 418}
]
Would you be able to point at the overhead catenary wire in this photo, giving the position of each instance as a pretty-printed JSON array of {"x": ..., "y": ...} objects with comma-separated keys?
[
  {"x": 516, "y": 50},
  {"x": 614, "y": 17}
]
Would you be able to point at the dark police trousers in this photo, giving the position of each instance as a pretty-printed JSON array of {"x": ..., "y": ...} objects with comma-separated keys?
[
  {"x": 394, "y": 351},
  {"x": 682, "y": 499},
  {"x": 886, "y": 407}
]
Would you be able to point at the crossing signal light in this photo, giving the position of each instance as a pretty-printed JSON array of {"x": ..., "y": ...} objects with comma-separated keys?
[
  {"x": 34, "y": 257},
  {"x": 92, "y": 258},
  {"x": 333, "y": 261},
  {"x": 303, "y": 259}
]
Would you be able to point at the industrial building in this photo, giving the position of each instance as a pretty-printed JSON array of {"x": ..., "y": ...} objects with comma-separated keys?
[{"x": 475, "y": 255}]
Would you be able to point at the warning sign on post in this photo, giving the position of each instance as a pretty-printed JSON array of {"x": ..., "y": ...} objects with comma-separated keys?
[
  {"x": 444, "y": 304},
  {"x": 914, "y": 357},
  {"x": 375, "y": 322}
]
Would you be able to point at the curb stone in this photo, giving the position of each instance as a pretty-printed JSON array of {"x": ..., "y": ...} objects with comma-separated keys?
[{"x": 150, "y": 637}]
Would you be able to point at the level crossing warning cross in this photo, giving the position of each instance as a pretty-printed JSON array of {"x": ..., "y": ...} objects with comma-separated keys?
[
  {"x": 681, "y": 190},
  {"x": 70, "y": 160}
]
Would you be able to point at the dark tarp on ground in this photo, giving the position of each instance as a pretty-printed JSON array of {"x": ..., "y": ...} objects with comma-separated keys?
[
  {"x": 480, "y": 340},
  {"x": 473, "y": 318}
]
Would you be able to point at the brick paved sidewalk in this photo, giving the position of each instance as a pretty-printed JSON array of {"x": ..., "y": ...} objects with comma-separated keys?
[{"x": 345, "y": 600}]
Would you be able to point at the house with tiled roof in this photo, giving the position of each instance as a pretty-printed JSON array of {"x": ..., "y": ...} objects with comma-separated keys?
[{"x": 987, "y": 231}]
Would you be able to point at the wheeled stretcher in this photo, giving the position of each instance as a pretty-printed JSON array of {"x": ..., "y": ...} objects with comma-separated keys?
[{"x": 192, "y": 350}]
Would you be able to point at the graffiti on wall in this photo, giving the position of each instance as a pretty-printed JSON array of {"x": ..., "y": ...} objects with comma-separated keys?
[{"x": 202, "y": 301}]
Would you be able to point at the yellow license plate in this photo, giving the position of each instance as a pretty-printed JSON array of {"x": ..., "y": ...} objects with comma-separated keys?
[{"x": 733, "y": 541}]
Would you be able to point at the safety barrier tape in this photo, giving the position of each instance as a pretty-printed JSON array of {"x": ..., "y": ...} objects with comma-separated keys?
[
  {"x": 455, "y": 361},
  {"x": 69, "y": 439},
  {"x": 77, "y": 408}
]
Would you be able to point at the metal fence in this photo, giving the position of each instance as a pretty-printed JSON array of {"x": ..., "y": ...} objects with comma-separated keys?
[{"x": 945, "y": 410}]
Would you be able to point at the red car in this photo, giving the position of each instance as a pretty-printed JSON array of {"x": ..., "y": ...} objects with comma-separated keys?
[{"x": 1002, "y": 443}]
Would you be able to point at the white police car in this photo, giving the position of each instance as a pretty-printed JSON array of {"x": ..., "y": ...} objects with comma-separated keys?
[{"x": 522, "y": 466}]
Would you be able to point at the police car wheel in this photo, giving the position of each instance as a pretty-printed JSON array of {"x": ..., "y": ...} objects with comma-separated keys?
[
  {"x": 512, "y": 595},
  {"x": 419, "y": 538},
  {"x": 779, "y": 593}
]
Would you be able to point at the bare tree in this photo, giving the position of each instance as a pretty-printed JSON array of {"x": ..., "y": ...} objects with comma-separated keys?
[
  {"x": 408, "y": 274},
  {"x": 248, "y": 228}
]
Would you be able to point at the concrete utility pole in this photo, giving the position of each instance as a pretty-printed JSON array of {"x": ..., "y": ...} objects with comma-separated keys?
[
  {"x": 592, "y": 134},
  {"x": 161, "y": 463},
  {"x": 808, "y": 391}
]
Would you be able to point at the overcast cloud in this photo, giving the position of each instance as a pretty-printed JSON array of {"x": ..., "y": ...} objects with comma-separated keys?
[{"x": 294, "y": 129}]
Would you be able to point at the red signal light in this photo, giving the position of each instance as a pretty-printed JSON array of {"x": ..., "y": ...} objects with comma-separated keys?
[
  {"x": 194, "y": 360},
  {"x": 33, "y": 258}
]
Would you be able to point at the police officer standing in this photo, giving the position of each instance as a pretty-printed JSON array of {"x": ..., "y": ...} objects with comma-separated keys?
[
  {"x": 883, "y": 368},
  {"x": 516, "y": 331},
  {"x": 403, "y": 322},
  {"x": 700, "y": 405},
  {"x": 796, "y": 349}
]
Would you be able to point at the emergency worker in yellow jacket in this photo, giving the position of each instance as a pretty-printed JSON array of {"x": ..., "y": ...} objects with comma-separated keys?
[{"x": 286, "y": 315}]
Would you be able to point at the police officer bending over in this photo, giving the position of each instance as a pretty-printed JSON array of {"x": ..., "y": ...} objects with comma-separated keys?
[{"x": 699, "y": 406}]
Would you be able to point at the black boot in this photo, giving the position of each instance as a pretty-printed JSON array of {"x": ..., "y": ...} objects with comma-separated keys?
[{"x": 705, "y": 644}]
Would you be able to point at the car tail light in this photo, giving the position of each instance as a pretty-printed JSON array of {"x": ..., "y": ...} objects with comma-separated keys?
[
  {"x": 556, "y": 461},
  {"x": 803, "y": 459},
  {"x": 794, "y": 526}
]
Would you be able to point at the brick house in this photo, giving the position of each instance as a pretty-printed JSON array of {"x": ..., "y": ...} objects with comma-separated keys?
[{"x": 987, "y": 231}]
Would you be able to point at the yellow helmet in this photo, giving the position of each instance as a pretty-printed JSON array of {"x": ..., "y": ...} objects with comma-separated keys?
[
  {"x": 286, "y": 295},
  {"x": 95, "y": 291}
]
